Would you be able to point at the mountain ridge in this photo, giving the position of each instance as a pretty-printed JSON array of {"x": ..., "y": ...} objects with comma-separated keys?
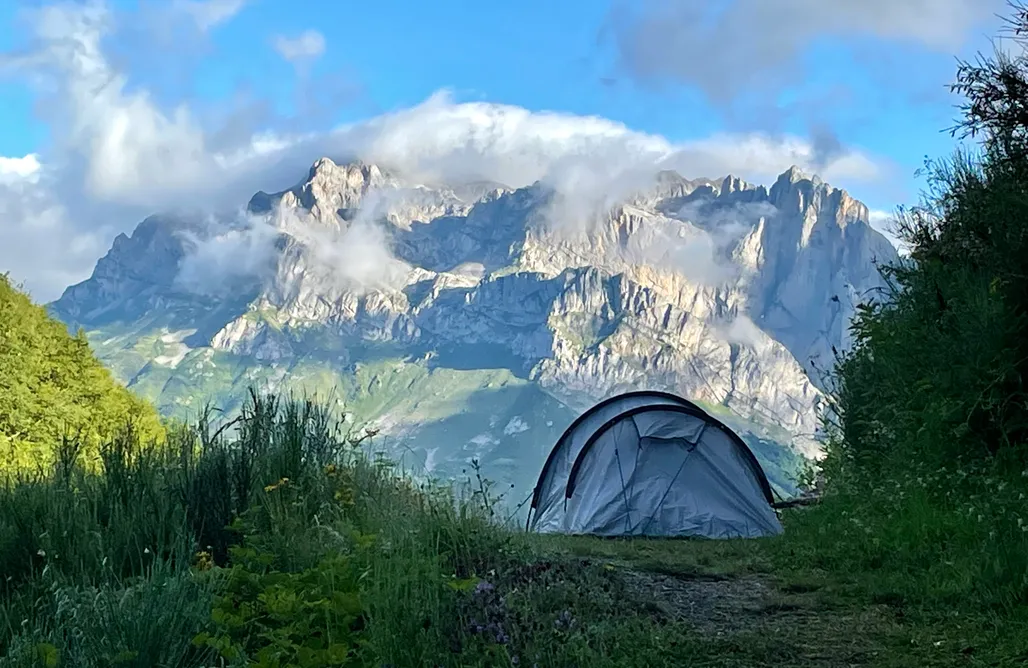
[{"x": 715, "y": 289}]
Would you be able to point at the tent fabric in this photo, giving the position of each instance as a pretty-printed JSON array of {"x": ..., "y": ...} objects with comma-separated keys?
[
  {"x": 652, "y": 466},
  {"x": 558, "y": 464}
]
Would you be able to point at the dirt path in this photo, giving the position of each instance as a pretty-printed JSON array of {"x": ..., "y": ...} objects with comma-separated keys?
[
  {"x": 753, "y": 616},
  {"x": 711, "y": 604},
  {"x": 726, "y": 607}
]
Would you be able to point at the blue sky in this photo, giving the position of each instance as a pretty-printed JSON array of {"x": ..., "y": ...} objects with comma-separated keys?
[{"x": 869, "y": 81}]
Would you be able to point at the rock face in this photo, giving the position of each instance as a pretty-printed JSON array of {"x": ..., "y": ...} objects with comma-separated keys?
[{"x": 721, "y": 291}]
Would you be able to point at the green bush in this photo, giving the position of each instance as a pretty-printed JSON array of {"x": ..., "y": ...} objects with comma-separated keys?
[
  {"x": 52, "y": 388},
  {"x": 927, "y": 468}
]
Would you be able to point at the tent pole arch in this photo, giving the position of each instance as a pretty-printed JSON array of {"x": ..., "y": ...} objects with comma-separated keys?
[
  {"x": 751, "y": 459},
  {"x": 656, "y": 394}
]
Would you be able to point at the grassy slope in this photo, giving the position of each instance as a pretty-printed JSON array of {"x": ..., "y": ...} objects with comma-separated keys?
[
  {"x": 765, "y": 603},
  {"x": 435, "y": 419},
  {"x": 332, "y": 543},
  {"x": 52, "y": 386}
]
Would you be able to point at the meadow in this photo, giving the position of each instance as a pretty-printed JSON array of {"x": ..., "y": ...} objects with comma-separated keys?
[{"x": 277, "y": 540}]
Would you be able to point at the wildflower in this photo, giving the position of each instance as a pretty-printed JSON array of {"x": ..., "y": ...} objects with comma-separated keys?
[
  {"x": 564, "y": 621},
  {"x": 204, "y": 561},
  {"x": 282, "y": 482}
]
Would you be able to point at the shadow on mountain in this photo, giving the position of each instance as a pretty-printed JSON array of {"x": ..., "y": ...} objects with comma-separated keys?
[
  {"x": 487, "y": 236},
  {"x": 477, "y": 356},
  {"x": 149, "y": 312},
  {"x": 328, "y": 347}
]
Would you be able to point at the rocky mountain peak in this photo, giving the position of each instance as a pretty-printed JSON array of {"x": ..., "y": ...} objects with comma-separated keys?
[
  {"x": 793, "y": 175},
  {"x": 814, "y": 199},
  {"x": 733, "y": 184},
  {"x": 330, "y": 189},
  {"x": 716, "y": 289}
]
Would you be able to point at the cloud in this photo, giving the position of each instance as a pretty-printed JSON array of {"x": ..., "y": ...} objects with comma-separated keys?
[
  {"x": 39, "y": 243},
  {"x": 743, "y": 331},
  {"x": 745, "y": 53},
  {"x": 308, "y": 45},
  {"x": 227, "y": 254},
  {"x": 224, "y": 257},
  {"x": 354, "y": 256},
  {"x": 208, "y": 14},
  {"x": 731, "y": 47},
  {"x": 695, "y": 253},
  {"x": 697, "y": 240},
  {"x": 118, "y": 152},
  {"x": 127, "y": 149},
  {"x": 885, "y": 222},
  {"x": 25, "y": 168},
  {"x": 440, "y": 139}
]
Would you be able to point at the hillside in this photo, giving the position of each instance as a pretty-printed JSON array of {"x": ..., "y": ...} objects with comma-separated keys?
[
  {"x": 475, "y": 321},
  {"x": 52, "y": 386}
]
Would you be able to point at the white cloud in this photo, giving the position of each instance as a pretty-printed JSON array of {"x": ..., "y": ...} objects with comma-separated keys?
[
  {"x": 885, "y": 222},
  {"x": 39, "y": 243},
  {"x": 308, "y": 45},
  {"x": 743, "y": 331},
  {"x": 515, "y": 146},
  {"x": 227, "y": 256},
  {"x": 25, "y": 168},
  {"x": 697, "y": 240},
  {"x": 118, "y": 155},
  {"x": 751, "y": 47},
  {"x": 127, "y": 149},
  {"x": 209, "y": 13},
  {"x": 354, "y": 257}
]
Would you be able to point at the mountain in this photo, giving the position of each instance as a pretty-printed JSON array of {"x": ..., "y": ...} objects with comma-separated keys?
[{"x": 476, "y": 320}]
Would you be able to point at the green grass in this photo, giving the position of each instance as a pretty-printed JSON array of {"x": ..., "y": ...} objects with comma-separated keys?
[{"x": 280, "y": 542}]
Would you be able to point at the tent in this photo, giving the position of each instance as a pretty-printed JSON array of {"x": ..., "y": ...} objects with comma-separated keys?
[{"x": 650, "y": 463}]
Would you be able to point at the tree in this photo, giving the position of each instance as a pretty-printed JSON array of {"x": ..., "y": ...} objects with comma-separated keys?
[
  {"x": 936, "y": 377},
  {"x": 52, "y": 387}
]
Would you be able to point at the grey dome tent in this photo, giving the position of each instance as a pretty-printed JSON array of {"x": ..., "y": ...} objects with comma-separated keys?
[{"x": 650, "y": 463}]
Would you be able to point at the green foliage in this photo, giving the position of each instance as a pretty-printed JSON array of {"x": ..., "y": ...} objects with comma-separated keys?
[
  {"x": 310, "y": 618},
  {"x": 936, "y": 378},
  {"x": 133, "y": 624},
  {"x": 927, "y": 468},
  {"x": 52, "y": 387},
  {"x": 273, "y": 539}
]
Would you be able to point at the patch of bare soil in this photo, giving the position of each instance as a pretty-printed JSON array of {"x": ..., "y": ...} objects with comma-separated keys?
[{"x": 710, "y": 604}]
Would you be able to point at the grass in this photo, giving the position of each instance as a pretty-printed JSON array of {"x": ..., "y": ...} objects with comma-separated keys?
[{"x": 278, "y": 541}]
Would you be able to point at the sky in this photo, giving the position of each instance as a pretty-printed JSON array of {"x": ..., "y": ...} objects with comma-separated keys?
[{"x": 115, "y": 110}]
